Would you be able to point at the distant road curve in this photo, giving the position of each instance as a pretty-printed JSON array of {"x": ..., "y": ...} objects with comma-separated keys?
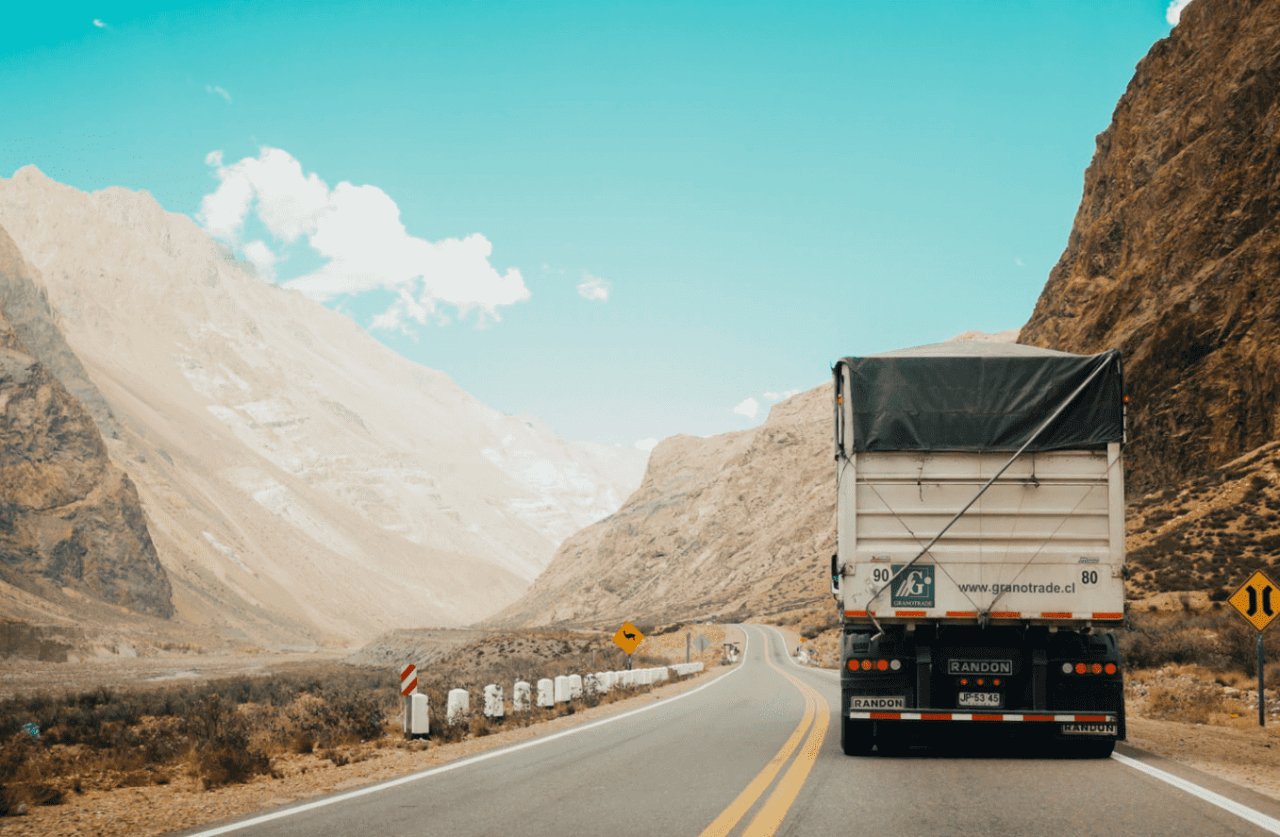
[{"x": 757, "y": 751}]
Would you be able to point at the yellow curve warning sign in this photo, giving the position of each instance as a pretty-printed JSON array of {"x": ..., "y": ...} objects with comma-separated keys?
[
  {"x": 628, "y": 638},
  {"x": 1257, "y": 600}
]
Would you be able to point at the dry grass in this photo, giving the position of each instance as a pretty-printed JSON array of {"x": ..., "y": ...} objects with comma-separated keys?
[{"x": 229, "y": 731}]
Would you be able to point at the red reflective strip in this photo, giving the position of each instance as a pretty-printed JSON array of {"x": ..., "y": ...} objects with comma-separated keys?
[
  {"x": 408, "y": 689},
  {"x": 855, "y": 613},
  {"x": 1091, "y": 719},
  {"x": 978, "y": 717},
  {"x": 1057, "y": 615},
  {"x": 886, "y": 716},
  {"x": 409, "y": 669},
  {"x": 1007, "y": 614},
  {"x": 1108, "y": 615},
  {"x": 909, "y": 613},
  {"x": 935, "y": 716},
  {"x": 963, "y": 614},
  {"x": 1037, "y": 717}
]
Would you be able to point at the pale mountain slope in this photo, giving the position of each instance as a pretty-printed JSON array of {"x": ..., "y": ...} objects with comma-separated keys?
[
  {"x": 741, "y": 523},
  {"x": 295, "y": 472}
]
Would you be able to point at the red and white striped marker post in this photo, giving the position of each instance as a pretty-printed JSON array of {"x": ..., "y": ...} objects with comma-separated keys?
[
  {"x": 417, "y": 714},
  {"x": 408, "y": 680}
]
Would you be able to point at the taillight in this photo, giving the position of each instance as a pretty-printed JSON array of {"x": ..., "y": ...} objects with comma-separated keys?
[{"x": 1090, "y": 668}]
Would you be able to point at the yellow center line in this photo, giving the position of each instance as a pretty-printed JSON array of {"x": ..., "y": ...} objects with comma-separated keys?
[
  {"x": 769, "y": 818},
  {"x": 775, "y": 808}
]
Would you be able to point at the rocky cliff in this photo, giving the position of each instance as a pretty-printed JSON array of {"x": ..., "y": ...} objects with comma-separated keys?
[
  {"x": 1175, "y": 250},
  {"x": 69, "y": 518}
]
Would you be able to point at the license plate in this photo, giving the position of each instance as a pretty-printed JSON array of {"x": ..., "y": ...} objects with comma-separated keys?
[{"x": 981, "y": 699}]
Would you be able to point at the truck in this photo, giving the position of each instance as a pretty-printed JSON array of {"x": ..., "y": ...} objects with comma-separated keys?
[{"x": 979, "y": 564}]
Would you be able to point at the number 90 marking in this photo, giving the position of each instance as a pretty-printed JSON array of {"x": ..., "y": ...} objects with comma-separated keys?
[{"x": 881, "y": 575}]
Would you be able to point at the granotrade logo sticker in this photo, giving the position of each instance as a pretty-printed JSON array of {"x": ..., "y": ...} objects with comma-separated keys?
[{"x": 914, "y": 588}]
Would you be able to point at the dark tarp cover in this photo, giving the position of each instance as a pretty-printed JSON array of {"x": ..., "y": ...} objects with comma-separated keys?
[{"x": 983, "y": 397}]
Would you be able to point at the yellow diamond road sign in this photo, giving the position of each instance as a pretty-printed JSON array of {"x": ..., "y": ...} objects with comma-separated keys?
[
  {"x": 1258, "y": 600},
  {"x": 628, "y": 637}
]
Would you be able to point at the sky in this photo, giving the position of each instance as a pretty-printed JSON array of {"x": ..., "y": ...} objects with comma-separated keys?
[{"x": 627, "y": 219}]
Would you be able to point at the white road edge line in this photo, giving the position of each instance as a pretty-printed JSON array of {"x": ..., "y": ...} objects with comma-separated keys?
[
  {"x": 1261, "y": 820},
  {"x": 444, "y": 768}
]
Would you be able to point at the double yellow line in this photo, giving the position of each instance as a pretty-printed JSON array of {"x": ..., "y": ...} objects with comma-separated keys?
[{"x": 814, "y": 722}]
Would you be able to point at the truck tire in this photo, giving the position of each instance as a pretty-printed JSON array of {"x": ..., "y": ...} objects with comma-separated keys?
[{"x": 856, "y": 737}]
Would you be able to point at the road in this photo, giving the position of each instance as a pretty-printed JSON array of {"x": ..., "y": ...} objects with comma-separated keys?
[{"x": 757, "y": 751}]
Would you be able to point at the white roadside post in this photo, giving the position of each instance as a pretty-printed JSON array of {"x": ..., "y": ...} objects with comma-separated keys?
[
  {"x": 493, "y": 698},
  {"x": 417, "y": 717},
  {"x": 575, "y": 686},
  {"x": 546, "y": 693},
  {"x": 459, "y": 706},
  {"x": 520, "y": 697},
  {"x": 562, "y": 689}
]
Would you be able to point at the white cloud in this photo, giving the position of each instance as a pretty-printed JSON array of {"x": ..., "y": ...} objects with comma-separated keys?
[
  {"x": 219, "y": 91},
  {"x": 593, "y": 288},
  {"x": 1174, "y": 13},
  {"x": 98, "y": 23},
  {"x": 774, "y": 397},
  {"x": 262, "y": 257},
  {"x": 647, "y": 444},
  {"x": 748, "y": 407},
  {"x": 358, "y": 233}
]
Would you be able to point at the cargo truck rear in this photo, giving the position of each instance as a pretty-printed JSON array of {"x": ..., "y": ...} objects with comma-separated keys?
[{"x": 980, "y": 544}]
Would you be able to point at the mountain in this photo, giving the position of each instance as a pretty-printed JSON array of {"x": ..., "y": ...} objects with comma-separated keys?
[
  {"x": 302, "y": 483},
  {"x": 1175, "y": 249},
  {"x": 737, "y": 523},
  {"x": 71, "y": 523},
  {"x": 1172, "y": 258}
]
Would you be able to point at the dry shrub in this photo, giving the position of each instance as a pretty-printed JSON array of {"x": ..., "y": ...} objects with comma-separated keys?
[
  {"x": 27, "y": 776},
  {"x": 222, "y": 752},
  {"x": 1194, "y": 701},
  {"x": 1217, "y": 640}
]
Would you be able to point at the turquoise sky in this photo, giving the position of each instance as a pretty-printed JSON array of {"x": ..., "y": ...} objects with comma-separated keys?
[{"x": 761, "y": 187}]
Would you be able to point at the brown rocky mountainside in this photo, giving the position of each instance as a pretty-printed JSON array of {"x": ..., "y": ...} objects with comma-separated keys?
[
  {"x": 1175, "y": 250},
  {"x": 734, "y": 524},
  {"x": 1173, "y": 259},
  {"x": 70, "y": 521}
]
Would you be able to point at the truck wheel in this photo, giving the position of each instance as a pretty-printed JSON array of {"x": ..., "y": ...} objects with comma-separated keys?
[{"x": 856, "y": 738}]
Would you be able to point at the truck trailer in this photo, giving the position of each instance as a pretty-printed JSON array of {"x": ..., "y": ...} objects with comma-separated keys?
[{"x": 979, "y": 564}]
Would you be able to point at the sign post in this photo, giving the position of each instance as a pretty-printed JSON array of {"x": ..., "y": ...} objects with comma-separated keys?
[
  {"x": 628, "y": 638},
  {"x": 1258, "y": 601}
]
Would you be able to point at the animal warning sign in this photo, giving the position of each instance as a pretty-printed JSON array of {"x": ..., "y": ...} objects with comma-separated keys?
[
  {"x": 628, "y": 638},
  {"x": 1257, "y": 600}
]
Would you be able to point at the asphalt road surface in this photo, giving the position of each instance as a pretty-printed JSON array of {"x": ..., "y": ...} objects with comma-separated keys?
[{"x": 757, "y": 751}]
